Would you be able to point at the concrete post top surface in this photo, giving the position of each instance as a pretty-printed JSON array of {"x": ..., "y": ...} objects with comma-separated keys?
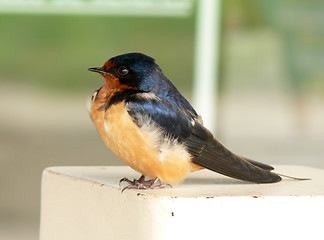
[{"x": 203, "y": 183}]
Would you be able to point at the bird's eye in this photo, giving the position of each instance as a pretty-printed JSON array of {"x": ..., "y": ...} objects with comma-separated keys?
[{"x": 122, "y": 71}]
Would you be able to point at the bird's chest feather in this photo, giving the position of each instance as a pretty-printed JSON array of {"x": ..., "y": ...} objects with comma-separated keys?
[{"x": 143, "y": 149}]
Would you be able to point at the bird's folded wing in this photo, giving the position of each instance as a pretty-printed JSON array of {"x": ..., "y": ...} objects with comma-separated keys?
[
  {"x": 173, "y": 121},
  {"x": 206, "y": 150}
]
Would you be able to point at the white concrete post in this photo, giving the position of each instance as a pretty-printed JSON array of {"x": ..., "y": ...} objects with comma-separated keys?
[{"x": 86, "y": 203}]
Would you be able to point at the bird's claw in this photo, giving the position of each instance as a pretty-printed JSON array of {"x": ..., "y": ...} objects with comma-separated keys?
[{"x": 141, "y": 183}]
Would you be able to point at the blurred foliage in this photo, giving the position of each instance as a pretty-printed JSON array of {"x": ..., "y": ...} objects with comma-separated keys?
[
  {"x": 299, "y": 25},
  {"x": 242, "y": 14},
  {"x": 55, "y": 51}
]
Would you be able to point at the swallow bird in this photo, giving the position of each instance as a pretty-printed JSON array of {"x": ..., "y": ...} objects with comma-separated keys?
[{"x": 144, "y": 119}]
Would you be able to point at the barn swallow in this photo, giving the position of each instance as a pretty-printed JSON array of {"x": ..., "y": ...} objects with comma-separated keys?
[{"x": 144, "y": 119}]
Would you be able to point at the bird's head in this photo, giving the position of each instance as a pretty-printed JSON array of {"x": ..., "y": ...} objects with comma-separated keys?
[{"x": 130, "y": 71}]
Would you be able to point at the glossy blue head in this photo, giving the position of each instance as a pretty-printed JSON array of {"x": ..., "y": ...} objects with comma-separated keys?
[
  {"x": 143, "y": 72},
  {"x": 133, "y": 70},
  {"x": 140, "y": 72}
]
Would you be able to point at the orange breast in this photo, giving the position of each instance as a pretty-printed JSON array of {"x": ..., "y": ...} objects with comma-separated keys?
[{"x": 143, "y": 149}]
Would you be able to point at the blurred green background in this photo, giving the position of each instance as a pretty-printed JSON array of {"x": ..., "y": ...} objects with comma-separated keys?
[{"x": 271, "y": 96}]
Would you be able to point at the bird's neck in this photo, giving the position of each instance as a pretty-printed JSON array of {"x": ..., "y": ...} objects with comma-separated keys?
[
  {"x": 108, "y": 96},
  {"x": 104, "y": 94}
]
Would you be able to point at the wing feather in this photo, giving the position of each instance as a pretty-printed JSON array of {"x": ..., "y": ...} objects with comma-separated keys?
[{"x": 206, "y": 150}]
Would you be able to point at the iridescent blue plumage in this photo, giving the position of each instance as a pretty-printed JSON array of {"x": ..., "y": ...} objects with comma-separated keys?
[{"x": 150, "y": 78}]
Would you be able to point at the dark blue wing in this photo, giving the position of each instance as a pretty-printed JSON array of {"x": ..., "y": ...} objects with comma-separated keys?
[
  {"x": 166, "y": 115},
  {"x": 183, "y": 125}
]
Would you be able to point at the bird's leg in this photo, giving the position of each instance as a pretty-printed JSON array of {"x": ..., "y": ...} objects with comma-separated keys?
[
  {"x": 135, "y": 181},
  {"x": 141, "y": 183},
  {"x": 156, "y": 183}
]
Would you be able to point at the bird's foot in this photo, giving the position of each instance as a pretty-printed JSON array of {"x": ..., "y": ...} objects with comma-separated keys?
[{"x": 141, "y": 183}]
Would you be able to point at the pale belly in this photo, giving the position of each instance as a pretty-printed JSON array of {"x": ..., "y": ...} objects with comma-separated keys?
[{"x": 142, "y": 149}]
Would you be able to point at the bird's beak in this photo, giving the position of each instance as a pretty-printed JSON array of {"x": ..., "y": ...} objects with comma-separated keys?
[{"x": 98, "y": 70}]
